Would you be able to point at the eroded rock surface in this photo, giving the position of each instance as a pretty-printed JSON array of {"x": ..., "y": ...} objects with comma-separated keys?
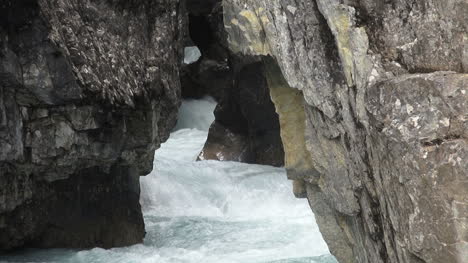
[
  {"x": 211, "y": 74},
  {"x": 384, "y": 95},
  {"x": 88, "y": 91},
  {"x": 246, "y": 128}
]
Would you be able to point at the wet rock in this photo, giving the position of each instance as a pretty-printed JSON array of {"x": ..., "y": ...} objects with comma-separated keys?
[
  {"x": 224, "y": 145},
  {"x": 212, "y": 73},
  {"x": 384, "y": 99},
  {"x": 246, "y": 126},
  {"x": 88, "y": 91},
  {"x": 206, "y": 77}
]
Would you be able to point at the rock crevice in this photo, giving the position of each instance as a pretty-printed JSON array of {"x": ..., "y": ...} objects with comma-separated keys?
[{"x": 246, "y": 127}]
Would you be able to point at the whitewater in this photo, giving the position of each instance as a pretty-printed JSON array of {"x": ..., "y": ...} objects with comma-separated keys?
[{"x": 209, "y": 211}]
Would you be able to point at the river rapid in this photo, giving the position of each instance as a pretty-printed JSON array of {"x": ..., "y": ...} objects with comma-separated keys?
[{"x": 209, "y": 211}]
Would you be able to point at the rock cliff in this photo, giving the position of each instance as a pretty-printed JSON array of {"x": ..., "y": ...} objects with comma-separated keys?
[
  {"x": 372, "y": 100},
  {"x": 88, "y": 91}
]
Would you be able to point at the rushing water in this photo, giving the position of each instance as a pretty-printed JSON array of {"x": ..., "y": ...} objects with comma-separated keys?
[{"x": 210, "y": 211}]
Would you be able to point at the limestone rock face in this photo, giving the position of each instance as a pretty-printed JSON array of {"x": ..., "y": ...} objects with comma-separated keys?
[
  {"x": 88, "y": 91},
  {"x": 383, "y": 118}
]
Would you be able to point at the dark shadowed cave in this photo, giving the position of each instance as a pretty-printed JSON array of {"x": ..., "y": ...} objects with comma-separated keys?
[{"x": 246, "y": 128}]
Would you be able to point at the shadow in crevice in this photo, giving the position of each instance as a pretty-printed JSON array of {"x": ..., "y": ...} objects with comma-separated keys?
[{"x": 246, "y": 127}]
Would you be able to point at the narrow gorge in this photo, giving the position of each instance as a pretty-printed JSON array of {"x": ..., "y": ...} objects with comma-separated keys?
[{"x": 361, "y": 104}]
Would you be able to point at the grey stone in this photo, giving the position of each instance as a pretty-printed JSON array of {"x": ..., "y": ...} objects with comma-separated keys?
[
  {"x": 88, "y": 91},
  {"x": 385, "y": 118}
]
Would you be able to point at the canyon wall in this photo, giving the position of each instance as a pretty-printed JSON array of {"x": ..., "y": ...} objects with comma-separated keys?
[
  {"x": 372, "y": 101},
  {"x": 371, "y": 98},
  {"x": 246, "y": 127},
  {"x": 88, "y": 91}
]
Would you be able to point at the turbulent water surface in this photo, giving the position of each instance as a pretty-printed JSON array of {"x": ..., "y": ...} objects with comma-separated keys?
[{"x": 209, "y": 211}]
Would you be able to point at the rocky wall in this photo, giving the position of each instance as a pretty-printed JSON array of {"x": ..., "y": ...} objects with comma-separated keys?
[
  {"x": 88, "y": 91},
  {"x": 246, "y": 127},
  {"x": 384, "y": 89}
]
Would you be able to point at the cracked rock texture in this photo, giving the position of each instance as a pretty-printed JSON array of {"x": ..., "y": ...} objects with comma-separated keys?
[
  {"x": 88, "y": 91},
  {"x": 377, "y": 93}
]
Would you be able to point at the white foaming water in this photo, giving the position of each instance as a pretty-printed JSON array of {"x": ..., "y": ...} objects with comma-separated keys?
[
  {"x": 191, "y": 54},
  {"x": 196, "y": 114},
  {"x": 210, "y": 211}
]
